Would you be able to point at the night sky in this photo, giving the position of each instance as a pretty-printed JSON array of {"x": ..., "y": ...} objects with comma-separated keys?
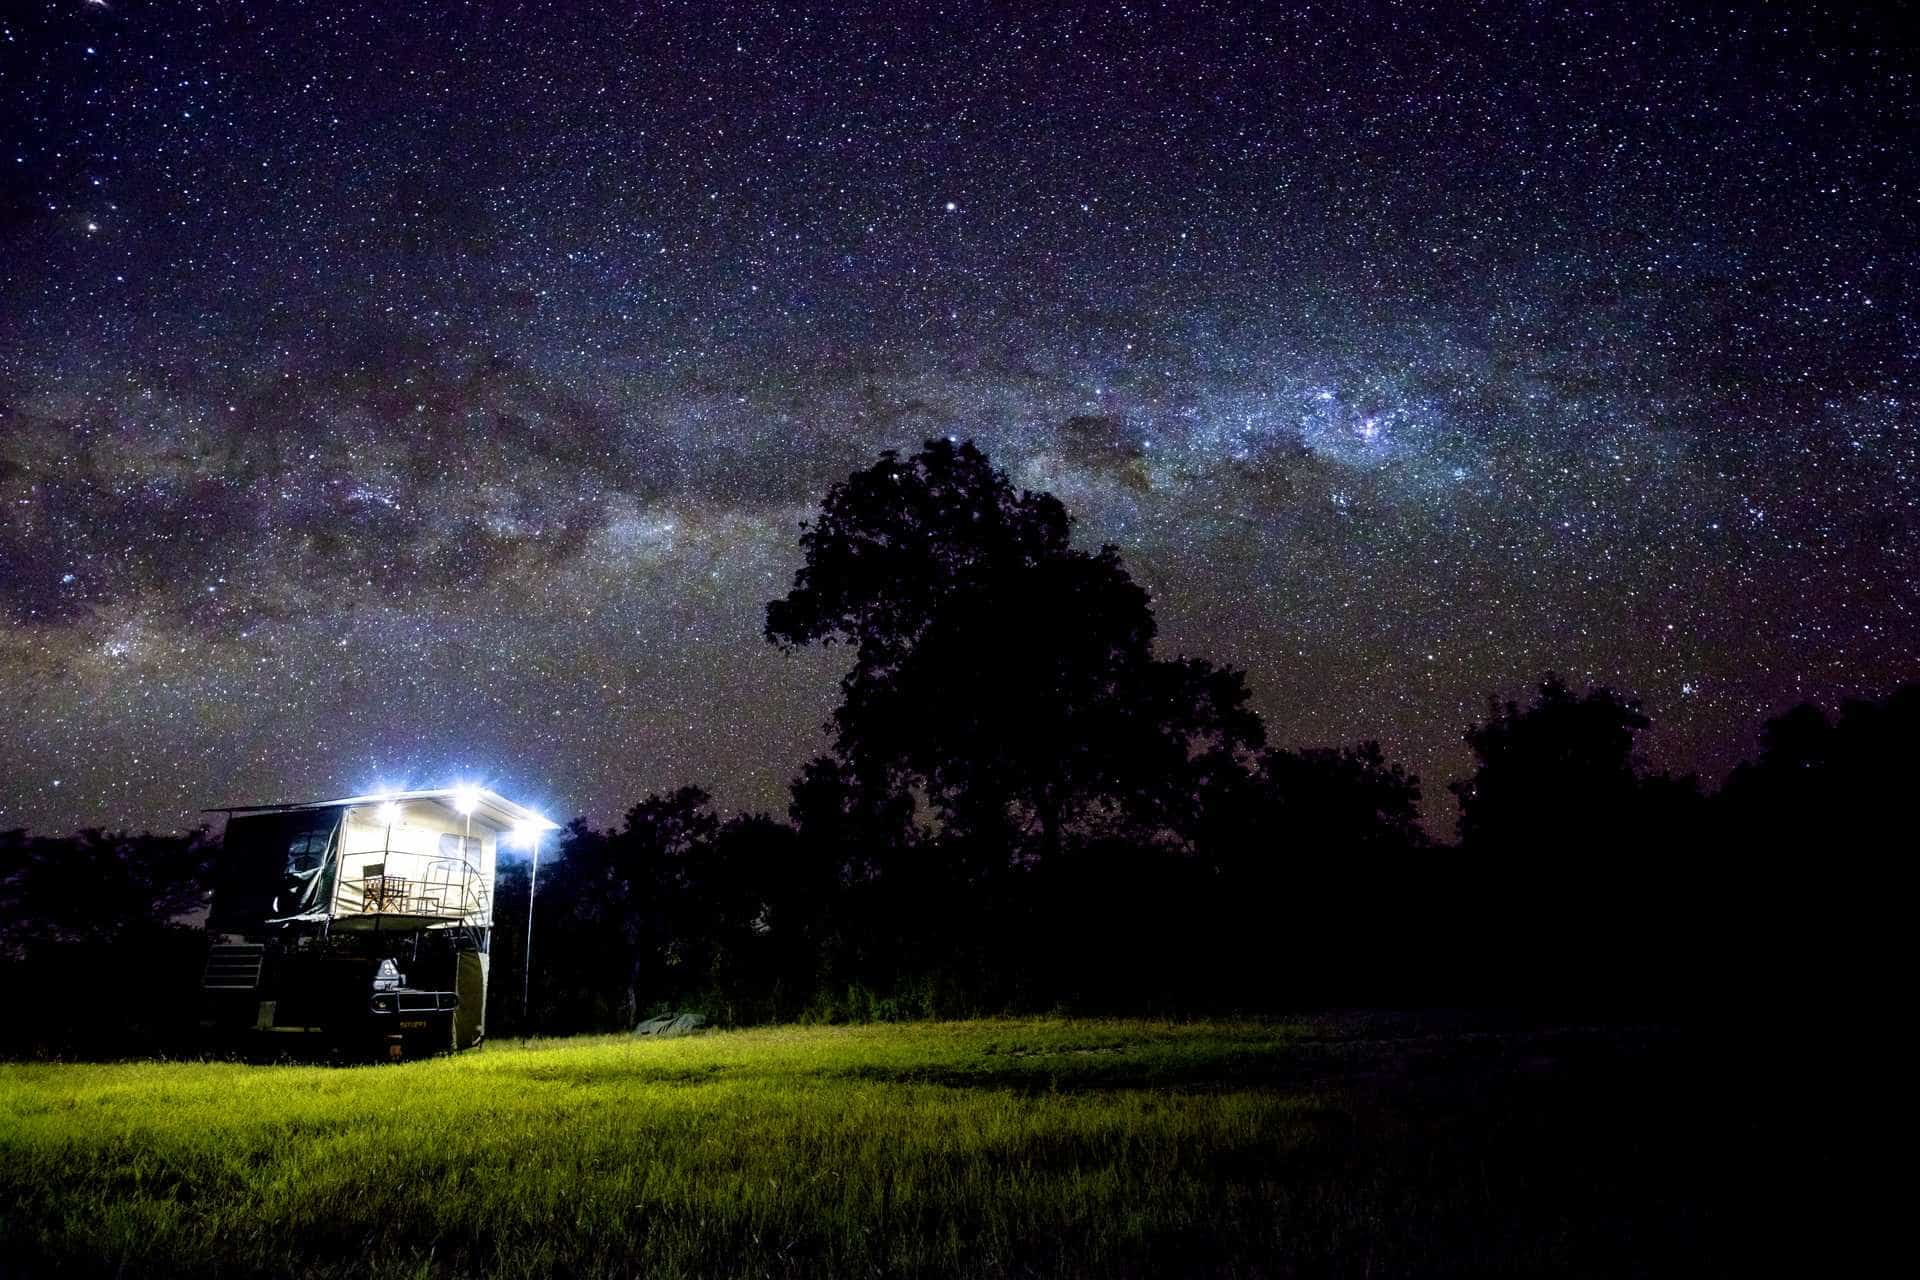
[{"x": 419, "y": 392}]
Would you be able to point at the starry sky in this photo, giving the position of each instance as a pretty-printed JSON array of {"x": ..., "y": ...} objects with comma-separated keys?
[{"x": 398, "y": 393}]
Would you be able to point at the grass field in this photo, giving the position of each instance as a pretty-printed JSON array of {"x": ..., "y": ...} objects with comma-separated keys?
[{"x": 1357, "y": 1146}]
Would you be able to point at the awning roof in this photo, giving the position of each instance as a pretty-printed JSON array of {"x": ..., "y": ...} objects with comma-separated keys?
[{"x": 486, "y": 806}]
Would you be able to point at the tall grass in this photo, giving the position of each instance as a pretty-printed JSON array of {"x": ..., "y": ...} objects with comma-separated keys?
[{"x": 982, "y": 1148}]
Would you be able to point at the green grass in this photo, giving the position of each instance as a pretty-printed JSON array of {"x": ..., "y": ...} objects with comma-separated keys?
[{"x": 1347, "y": 1146}]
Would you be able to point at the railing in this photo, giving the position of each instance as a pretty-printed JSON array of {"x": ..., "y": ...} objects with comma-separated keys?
[
  {"x": 451, "y": 889},
  {"x": 458, "y": 883}
]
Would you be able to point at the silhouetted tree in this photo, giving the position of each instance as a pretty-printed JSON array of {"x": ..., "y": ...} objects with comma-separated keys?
[
  {"x": 1589, "y": 876},
  {"x": 95, "y": 886},
  {"x": 759, "y": 900},
  {"x": 1829, "y": 783},
  {"x": 1813, "y": 830},
  {"x": 93, "y": 956},
  {"x": 1556, "y": 774},
  {"x": 1000, "y": 674},
  {"x": 1348, "y": 798},
  {"x": 622, "y": 901},
  {"x": 850, "y": 820},
  {"x": 1313, "y": 855}
]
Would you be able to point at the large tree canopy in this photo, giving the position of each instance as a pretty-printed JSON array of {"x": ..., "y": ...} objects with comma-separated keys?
[
  {"x": 1000, "y": 673},
  {"x": 897, "y": 543},
  {"x": 1560, "y": 774},
  {"x": 96, "y": 886}
]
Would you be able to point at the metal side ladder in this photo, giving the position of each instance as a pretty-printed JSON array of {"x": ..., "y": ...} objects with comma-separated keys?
[{"x": 234, "y": 967}]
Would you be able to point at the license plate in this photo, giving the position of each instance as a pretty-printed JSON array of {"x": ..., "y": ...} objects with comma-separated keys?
[{"x": 414, "y": 1024}]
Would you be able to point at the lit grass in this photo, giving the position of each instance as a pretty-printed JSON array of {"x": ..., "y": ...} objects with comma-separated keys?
[{"x": 1000, "y": 1147}]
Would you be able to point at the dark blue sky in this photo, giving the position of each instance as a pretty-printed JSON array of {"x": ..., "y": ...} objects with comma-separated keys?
[{"x": 395, "y": 392}]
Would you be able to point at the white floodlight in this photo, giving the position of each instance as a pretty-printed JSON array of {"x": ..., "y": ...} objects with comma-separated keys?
[
  {"x": 389, "y": 812},
  {"x": 466, "y": 799}
]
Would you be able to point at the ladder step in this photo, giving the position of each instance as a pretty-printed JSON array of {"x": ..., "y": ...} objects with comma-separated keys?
[{"x": 234, "y": 966}]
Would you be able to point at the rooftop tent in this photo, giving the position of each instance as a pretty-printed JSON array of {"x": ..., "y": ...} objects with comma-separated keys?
[
  {"x": 275, "y": 867},
  {"x": 410, "y": 859}
]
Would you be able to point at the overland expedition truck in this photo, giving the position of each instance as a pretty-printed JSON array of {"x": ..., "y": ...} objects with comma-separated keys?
[{"x": 358, "y": 925}]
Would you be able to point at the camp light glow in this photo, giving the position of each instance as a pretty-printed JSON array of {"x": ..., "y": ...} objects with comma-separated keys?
[{"x": 318, "y": 902}]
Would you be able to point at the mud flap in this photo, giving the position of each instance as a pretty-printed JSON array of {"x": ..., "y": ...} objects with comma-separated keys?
[{"x": 470, "y": 983}]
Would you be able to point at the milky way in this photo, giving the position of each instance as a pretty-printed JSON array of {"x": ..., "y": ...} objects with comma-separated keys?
[{"x": 419, "y": 392}]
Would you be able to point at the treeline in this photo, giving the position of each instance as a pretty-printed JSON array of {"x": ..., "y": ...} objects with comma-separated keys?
[
  {"x": 1025, "y": 807},
  {"x": 92, "y": 957},
  {"x": 1579, "y": 882}
]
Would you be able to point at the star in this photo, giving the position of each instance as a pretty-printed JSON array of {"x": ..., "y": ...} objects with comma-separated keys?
[{"x": 494, "y": 384}]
